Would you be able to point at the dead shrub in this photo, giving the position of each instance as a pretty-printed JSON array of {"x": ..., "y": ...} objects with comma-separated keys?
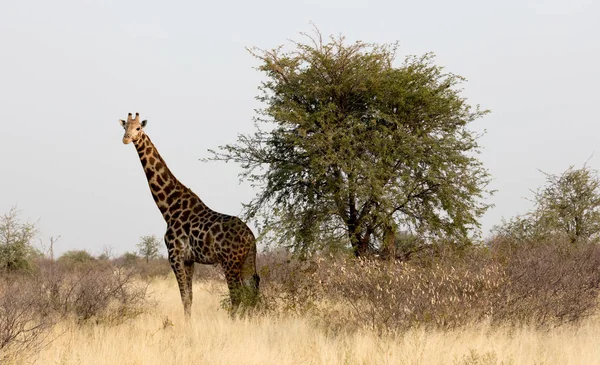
[
  {"x": 99, "y": 290},
  {"x": 208, "y": 272},
  {"x": 160, "y": 267},
  {"x": 24, "y": 322},
  {"x": 346, "y": 293},
  {"x": 154, "y": 268},
  {"x": 287, "y": 284},
  {"x": 544, "y": 285},
  {"x": 549, "y": 283},
  {"x": 390, "y": 296}
]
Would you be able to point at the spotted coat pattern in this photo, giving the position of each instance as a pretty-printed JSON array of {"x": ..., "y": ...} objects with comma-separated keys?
[{"x": 195, "y": 233}]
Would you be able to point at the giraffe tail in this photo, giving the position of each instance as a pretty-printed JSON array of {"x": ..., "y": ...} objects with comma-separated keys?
[
  {"x": 256, "y": 281},
  {"x": 251, "y": 280}
]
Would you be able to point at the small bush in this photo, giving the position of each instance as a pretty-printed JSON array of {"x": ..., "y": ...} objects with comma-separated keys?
[
  {"x": 24, "y": 322},
  {"x": 287, "y": 284},
  {"x": 549, "y": 283},
  {"x": 100, "y": 291},
  {"x": 16, "y": 250},
  {"x": 128, "y": 259},
  {"x": 76, "y": 258},
  {"x": 158, "y": 267}
]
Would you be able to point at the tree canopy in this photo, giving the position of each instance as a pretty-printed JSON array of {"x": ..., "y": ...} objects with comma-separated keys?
[
  {"x": 351, "y": 148},
  {"x": 76, "y": 257},
  {"x": 149, "y": 247},
  {"x": 568, "y": 204},
  {"x": 16, "y": 248}
]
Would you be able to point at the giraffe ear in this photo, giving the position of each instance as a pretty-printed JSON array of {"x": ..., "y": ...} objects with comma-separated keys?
[
  {"x": 122, "y": 123},
  {"x": 144, "y": 122}
]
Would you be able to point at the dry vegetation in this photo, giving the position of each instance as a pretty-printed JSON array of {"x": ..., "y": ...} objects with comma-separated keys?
[
  {"x": 499, "y": 304},
  {"x": 160, "y": 337}
]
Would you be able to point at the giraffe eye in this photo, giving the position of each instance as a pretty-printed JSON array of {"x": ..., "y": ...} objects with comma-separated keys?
[{"x": 138, "y": 128}]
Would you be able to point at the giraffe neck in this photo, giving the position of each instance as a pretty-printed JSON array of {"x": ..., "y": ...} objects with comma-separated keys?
[{"x": 165, "y": 188}]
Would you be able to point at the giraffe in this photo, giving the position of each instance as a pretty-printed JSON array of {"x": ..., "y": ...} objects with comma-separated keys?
[{"x": 195, "y": 233}]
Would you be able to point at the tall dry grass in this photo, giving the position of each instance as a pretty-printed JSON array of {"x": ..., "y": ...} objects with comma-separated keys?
[
  {"x": 504, "y": 303},
  {"x": 162, "y": 337}
]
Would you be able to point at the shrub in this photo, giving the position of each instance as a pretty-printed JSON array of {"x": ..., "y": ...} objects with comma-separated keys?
[
  {"x": 128, "y": 259},
  {"x": 24, "y": 322},
  {"x": 549, "y": 283},
  {"x": 158, "y": 267},
  {"x": 393, "y": 296},
  {"x": 543, "y": 285},
  {"x": 75, "y": 258},
  {"x": 16, "y": 250},
  {"x": 104, "y": 292},
  {"x": 287, "y": 284}
]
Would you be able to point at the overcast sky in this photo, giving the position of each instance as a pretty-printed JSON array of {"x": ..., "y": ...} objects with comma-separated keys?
[{"x": 70, "y": 69}]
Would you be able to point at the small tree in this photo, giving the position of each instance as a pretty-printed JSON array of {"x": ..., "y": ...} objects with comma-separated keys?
[
  {"x": 129, "y": 258},
  {"x": 149, "y": 247},
  {"x": 76, "y": 258},
  {"x": 568, "y": 204},
  {"x": 106, "y": 254},
  {"x": 16, "y": 249},
  {"x": 357, "y": 148}
]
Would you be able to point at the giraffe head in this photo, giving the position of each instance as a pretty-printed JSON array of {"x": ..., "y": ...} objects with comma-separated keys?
[{"x": 133, "y": 127}]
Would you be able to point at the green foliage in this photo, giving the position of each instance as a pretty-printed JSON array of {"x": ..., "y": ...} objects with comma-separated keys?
[
  {"x": 129, "y": 258},
  {"x": 76, "y": 257},
  {"x": 568, "y": 205},
  {"x": 16, "y": 250},
  {"x": 355, "y": 148},
  {"x": 148, "y": 247}
]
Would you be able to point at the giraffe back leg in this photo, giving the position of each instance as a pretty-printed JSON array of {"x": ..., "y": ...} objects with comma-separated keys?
[
  {"x": 250, "y": 278},
  {"x": 234, "y": 283}
]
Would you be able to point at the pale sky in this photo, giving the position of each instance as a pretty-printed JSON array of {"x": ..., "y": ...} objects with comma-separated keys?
[{"x": 70, "y": 69}]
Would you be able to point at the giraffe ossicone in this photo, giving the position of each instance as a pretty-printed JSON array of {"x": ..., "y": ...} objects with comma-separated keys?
[{"x": 195, "y": 233}]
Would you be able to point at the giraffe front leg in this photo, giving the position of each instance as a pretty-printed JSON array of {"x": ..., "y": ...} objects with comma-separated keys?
[
  {"x": 185, "y": 289},
  {"x": 189, "y": 276},
  {"x": 183, "y": 269}
]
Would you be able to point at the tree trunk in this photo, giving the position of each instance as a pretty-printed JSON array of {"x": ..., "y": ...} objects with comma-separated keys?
[
  {"x": 360, "y": 243},
  {"x": 363, "y": 247},
  {"x": 389, "y": 242}
]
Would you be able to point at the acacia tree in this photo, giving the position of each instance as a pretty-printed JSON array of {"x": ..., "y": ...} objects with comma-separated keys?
[
  {"x": 76, "y": 257},
  {"x": 16, "y": 249},
  {"x": 568, "y": 204},
  {"x": 351, "y": 148},
  {"x": 148, "y": 247}
]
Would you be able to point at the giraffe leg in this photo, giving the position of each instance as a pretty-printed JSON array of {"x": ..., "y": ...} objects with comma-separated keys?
[
  {"x": 189, "y": 276},
  {"x": 180, "y": 271},
  {"x": 183, "y": 269},
  {"x": 250, "y": 278},
  {"x": 232, "y": 275}
]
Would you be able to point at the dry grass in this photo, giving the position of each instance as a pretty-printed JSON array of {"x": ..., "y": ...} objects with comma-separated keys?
[{"x": 161, "y": 337}]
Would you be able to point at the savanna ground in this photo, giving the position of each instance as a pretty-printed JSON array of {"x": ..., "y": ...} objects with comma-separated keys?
[
  {"x": 532, "y": 303},
  {"x": 161, "y": 337}
]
